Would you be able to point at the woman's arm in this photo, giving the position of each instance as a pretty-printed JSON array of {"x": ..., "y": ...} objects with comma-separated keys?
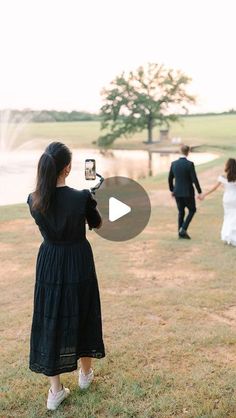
[
  {"x": 217, "y": 185},
  {"x": 93, "y": 216}
]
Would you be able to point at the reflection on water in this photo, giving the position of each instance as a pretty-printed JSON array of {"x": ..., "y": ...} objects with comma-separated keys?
[{"x": 18, "y": 169}]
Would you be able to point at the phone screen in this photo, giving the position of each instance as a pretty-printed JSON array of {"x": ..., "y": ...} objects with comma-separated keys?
[{"x": 90, "y": 169}]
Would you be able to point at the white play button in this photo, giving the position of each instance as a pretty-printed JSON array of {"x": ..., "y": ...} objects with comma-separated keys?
[
  {"x": 122, "y": 221},
  {"x": 117, "y": 209}
]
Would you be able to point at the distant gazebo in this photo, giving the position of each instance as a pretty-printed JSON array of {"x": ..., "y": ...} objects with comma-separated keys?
[{"x": 164, "y": 134}]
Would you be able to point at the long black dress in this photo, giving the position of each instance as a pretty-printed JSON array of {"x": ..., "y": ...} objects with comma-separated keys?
[{"x": 67, "y": 320}]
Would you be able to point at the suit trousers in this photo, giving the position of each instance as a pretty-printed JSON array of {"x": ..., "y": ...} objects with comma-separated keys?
[{"x": 182, "y": 204}]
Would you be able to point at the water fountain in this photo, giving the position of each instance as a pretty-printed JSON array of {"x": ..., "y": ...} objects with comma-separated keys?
[
  {"x": 15, "y": 159},
  {"x": 12, "y": 125}
]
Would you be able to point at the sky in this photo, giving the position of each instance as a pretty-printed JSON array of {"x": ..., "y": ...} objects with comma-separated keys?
[{"x": 59, "y": 54}]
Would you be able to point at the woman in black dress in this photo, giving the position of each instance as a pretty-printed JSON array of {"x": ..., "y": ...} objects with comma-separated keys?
[{"x": 67, "y": 323}]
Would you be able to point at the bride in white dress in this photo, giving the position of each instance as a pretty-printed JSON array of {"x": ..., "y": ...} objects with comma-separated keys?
[{"x": 228, "y": 232}]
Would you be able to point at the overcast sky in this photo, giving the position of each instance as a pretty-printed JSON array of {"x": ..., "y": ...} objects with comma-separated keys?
[{"x": 60, "y": 53}]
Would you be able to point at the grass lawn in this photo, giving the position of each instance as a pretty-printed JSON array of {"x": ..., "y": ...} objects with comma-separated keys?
[
  {"x": 169, "y": 316},
  {"x": 211, "y": 131}
]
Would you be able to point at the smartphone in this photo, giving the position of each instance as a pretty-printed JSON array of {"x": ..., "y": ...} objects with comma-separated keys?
[{"x": 90, "y": 169}]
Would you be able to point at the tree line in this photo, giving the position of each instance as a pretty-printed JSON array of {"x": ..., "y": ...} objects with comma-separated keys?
[
  {"x": 77, "y": 116},
  {"x": 50, "y": 115}
]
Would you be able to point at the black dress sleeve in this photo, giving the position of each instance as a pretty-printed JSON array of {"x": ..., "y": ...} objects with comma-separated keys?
[
  {"x": 34, "y": 213},
  {"x": 93, "y": 216}
]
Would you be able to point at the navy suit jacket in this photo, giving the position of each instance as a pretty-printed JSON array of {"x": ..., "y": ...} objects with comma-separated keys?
[{"x": 182, "y": 176}]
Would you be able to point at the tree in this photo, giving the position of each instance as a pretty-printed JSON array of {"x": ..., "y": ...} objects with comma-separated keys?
[{"x": 141, "y": 100}]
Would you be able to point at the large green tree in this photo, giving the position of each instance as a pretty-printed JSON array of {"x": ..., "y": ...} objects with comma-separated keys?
[{"x": 143, "y": 99}]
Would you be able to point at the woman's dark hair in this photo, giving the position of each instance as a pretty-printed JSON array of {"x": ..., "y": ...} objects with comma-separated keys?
[
  {"x": 55, "y": 157},
  {"x": 230, "y": 169}
]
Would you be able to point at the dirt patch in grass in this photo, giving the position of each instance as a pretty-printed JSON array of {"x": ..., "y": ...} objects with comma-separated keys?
[
  {"x": 161, "y": 198},
  {"x": 16, "y": 225},
  {"x": 14, "y": 271},
  {"x": 230, "y": 313},
  {"x": 220, "y": 318},
  {"x": 171, "y": 277},
  {"x": 222, "y": 354},
  {"x": 129, "y": 290},
  {"x": 209, "y": 177},
  {"x": 227, "y": 316},
  {"x": 5, "y": 248}
]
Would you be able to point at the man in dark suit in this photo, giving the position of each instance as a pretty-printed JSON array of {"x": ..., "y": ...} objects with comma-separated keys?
[{"x": 182, "y": 176}]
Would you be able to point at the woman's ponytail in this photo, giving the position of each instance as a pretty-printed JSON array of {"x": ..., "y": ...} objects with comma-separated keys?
[
  {"x": 230, "y": 169},
  {"x": 51, "y": 162}
]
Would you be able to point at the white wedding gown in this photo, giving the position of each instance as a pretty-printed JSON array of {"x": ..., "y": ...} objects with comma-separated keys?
[{"x": 228, "y": 232}]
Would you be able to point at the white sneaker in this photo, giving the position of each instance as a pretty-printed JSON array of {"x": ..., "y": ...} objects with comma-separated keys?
[
  {"x": 85, "y": 380},
  {"x": 55, "y": 399}
]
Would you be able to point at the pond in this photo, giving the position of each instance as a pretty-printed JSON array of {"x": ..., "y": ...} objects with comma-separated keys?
[{"x": 18, "y": 169}]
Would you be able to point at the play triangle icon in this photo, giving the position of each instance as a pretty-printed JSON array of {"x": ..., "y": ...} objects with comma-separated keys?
[{"x": 117, "y": 209}]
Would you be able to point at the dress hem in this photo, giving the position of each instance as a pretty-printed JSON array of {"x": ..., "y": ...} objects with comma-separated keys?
[{"x": 36, "y": 368}]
